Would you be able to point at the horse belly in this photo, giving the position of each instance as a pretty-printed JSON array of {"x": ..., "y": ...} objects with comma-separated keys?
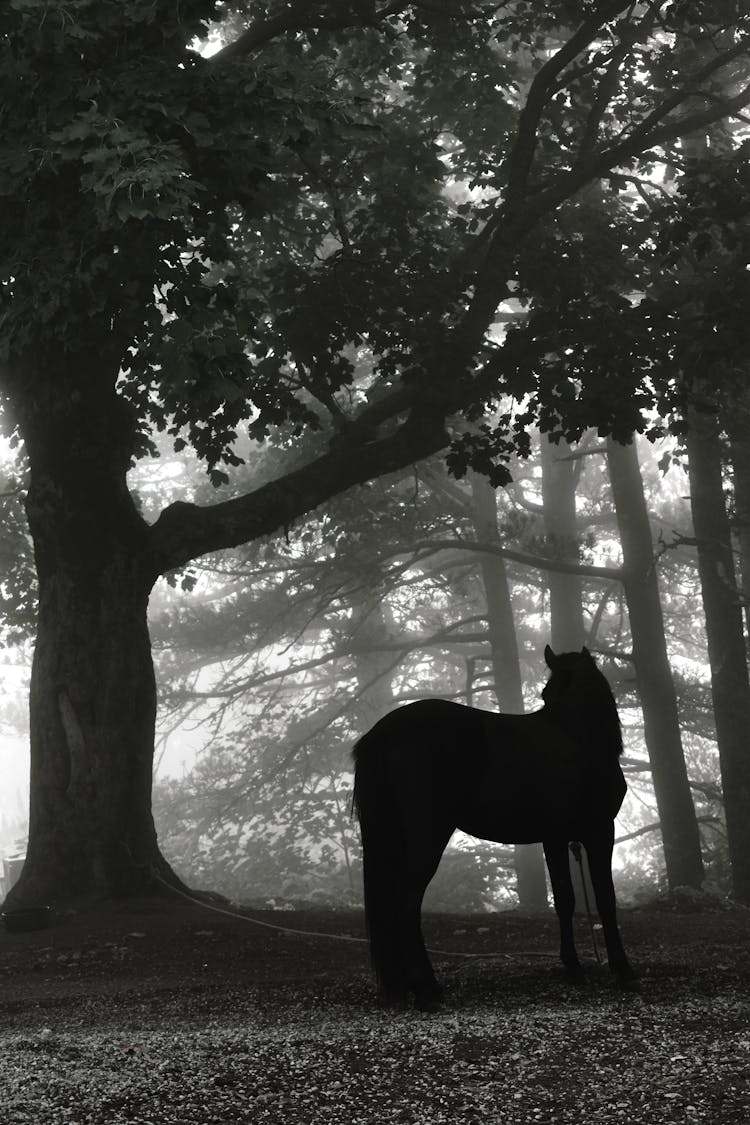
[
  {"x": 526, "y": 796},
  {"x": 508, "y": 826}
]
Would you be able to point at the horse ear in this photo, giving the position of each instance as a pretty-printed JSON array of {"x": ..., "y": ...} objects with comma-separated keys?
[
  {"x": 549, "y": 657},
  {"x": 585, "y": 652}
]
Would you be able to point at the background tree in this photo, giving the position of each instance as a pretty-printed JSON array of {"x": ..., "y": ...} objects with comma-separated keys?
[
  {"x": 683, "y": 330},
  {"x": 506, "y": 668},
  {"x": 653, "y": 674}
]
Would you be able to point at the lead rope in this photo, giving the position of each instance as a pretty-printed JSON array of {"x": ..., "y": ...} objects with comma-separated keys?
[
  {"x": 318, "y": 934},
  {"x": 575, "y": 848}
]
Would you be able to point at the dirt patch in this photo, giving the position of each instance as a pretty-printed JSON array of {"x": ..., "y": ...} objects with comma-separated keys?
[{"x": 166, "y": 1012}]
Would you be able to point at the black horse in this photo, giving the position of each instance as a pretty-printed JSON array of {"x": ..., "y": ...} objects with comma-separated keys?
[{"x": 433, "y": 766}]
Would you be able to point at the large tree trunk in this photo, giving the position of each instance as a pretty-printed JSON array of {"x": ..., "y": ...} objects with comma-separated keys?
[
  {"x": 730, "y": 688},
  {"x": 93, "y": 696},
  {"x": 531, "y": 883},
  {"x": 679, "y": 827}
]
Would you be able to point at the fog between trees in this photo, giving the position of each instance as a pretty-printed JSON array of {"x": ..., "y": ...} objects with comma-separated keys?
[{"x": 281, "y": 655}]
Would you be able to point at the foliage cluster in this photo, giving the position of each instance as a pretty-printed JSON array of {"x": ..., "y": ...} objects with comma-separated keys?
[{"x": 237, "y": 229}]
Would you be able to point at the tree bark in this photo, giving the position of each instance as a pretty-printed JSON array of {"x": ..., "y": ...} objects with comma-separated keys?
[
  {"x": 679, "y": 828},
  {"x": 730, "y": 688},
  {"x": 565, "y": 591},
  {"x": 739, "y": 439},
  {"x": 93, "y": 696},
  {"x": 531, "y": 882},
  {"x": 371, "y": 625},
  {"x": 567, "y": 633}
]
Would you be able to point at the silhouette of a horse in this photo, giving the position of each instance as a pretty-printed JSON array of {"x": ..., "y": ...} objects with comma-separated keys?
[{"x": 431, "y": 767}]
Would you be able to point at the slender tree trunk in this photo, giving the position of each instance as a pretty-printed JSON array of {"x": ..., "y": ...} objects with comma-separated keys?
[
  {"x": 531, "y": 883},
  {"x": 679, "y": 827},
  {"x": 739, "y": 438},
  {"x": 372, "y": 624},
  {"x": 501, "y": 628},
  {"x": 93, "y": 698},
  {"x": 730, "y": 688},
  {"x": 567, "y": 633}
]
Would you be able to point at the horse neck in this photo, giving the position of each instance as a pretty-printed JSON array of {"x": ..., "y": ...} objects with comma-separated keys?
[{"x": 596, "y": 727}]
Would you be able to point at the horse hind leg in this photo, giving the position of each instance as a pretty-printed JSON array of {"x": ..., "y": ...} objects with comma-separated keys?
[
  {"x": 558, "y": 866},
  {"x": 424, "y": 858},
  {"x": 419, "y": 974}
]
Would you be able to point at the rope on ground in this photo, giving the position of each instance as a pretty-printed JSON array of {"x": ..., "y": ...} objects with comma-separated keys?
[
  {"x": 319, "y": 934},
  {"x": 254, "y": 921}
]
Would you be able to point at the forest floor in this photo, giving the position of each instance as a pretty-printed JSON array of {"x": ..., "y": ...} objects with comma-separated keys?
[{"x": 167, "y": 1013}]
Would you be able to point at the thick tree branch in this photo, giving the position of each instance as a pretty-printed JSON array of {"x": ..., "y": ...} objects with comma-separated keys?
[
  {"x": 185, "y": 531},
  {"x": 297, "y": 16},
  {"x": 522, "y": 153}
]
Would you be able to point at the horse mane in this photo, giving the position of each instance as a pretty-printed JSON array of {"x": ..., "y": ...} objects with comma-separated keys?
[{"x": 605, "y": 725}]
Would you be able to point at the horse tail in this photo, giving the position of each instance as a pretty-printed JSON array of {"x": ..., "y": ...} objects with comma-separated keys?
[{"x": 383, "y": 859}]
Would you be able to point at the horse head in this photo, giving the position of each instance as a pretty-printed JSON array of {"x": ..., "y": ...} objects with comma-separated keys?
[{"x": 578, "y": 695}]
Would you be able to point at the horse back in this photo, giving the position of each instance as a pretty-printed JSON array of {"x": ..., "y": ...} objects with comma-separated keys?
[
  {"x": 541, "y": 781},
  {"x": 511, "y": 778},
  {"x": 426, "y": 751}
]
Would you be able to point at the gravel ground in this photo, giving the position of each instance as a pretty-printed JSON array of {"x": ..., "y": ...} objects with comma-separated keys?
[{"x": 165, "y": 1014}]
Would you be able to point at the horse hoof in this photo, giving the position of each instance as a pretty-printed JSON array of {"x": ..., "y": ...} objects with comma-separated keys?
[
  {"x": 428, "y": 999},
  {"x": 575, "y": 974},
  {"x": 430, "y": 1006},
  {"x": 396, "y": 1001},
  {"x": 626, "y": 979}
]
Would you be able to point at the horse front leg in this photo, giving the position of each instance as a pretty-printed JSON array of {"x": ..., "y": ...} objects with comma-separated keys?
[
  {"x": 599, "y": 844},
  {"x": 556, "y": 856}
]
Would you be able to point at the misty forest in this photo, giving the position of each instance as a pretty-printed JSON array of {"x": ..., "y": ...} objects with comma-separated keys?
[
  {"x": 350, "y": 353},
  {"x": 357, "y": 353}
]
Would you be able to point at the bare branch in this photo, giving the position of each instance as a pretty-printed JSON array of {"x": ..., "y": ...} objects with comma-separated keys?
[
  {"x": 539, "y": 562},
  {"x": 449, "y": 635},
  {"x": 656, "y": 827}
]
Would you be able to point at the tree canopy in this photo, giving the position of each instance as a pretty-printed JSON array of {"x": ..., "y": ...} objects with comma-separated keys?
[{"x": 313, "y": 227}]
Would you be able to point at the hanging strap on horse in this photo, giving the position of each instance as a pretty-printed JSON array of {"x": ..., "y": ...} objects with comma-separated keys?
[{"x": 575, "y": 847}]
